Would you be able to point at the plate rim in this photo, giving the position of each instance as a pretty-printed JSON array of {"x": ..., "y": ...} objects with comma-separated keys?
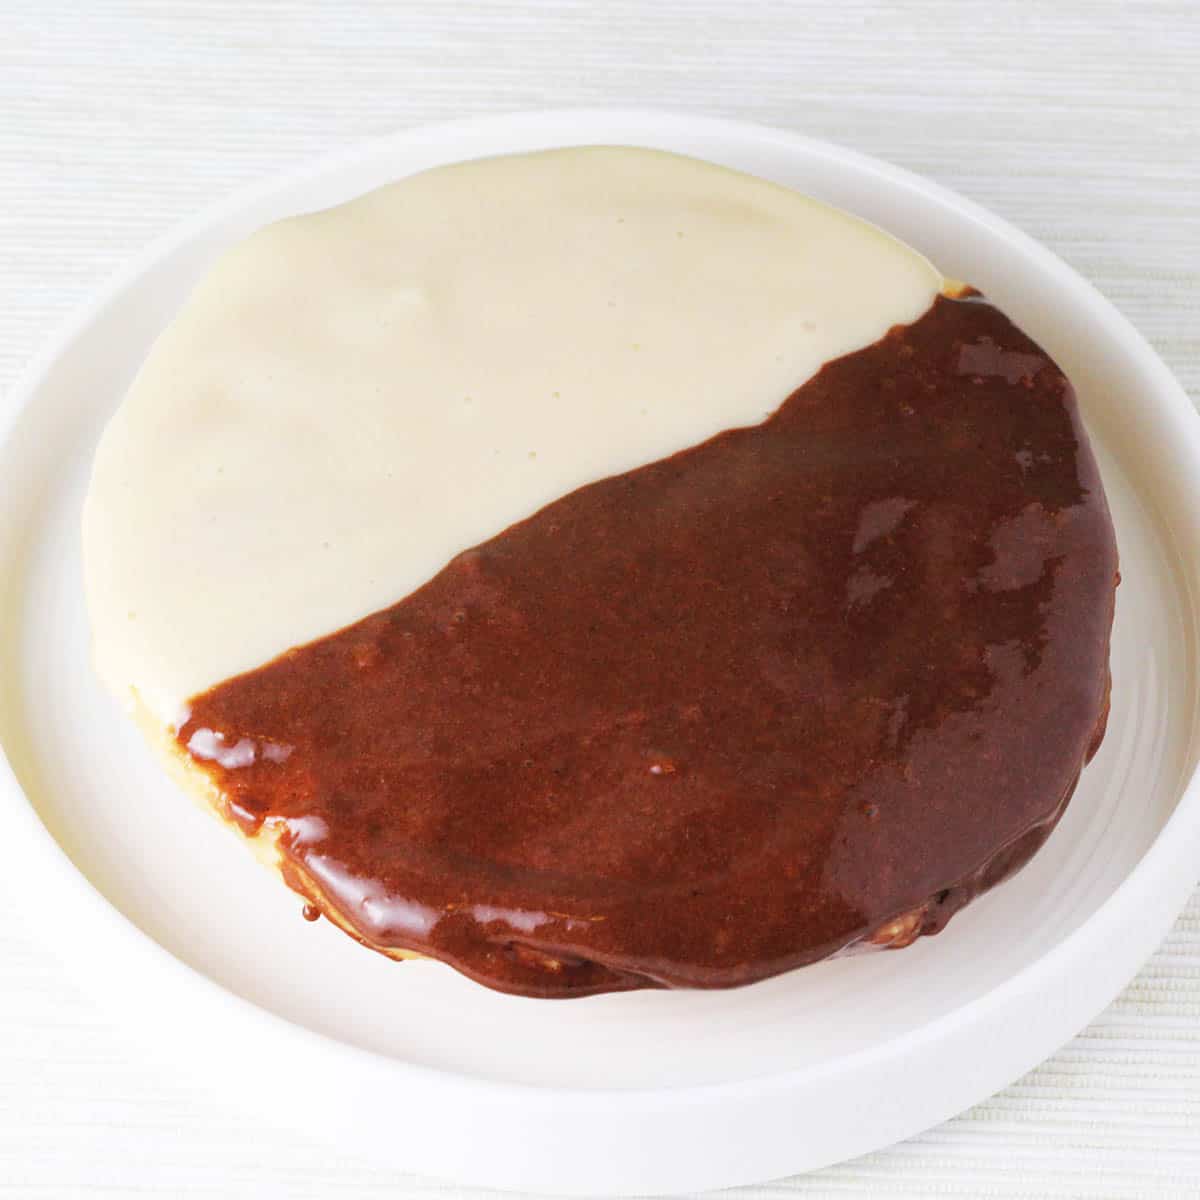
[{"x": 1161, "y": 860}]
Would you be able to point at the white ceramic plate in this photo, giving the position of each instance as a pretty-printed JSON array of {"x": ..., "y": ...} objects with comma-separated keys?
[{"x": 169, "y": 919}]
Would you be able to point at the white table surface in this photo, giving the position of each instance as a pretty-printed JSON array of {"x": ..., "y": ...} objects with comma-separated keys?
[{"x": 1079, "y": 120}]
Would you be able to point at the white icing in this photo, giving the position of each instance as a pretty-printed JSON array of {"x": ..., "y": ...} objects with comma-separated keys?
[{"x": 352, "y": 397}]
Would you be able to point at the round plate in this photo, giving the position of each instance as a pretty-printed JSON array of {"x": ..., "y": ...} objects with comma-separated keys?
[{"x": 166, "y": 916}]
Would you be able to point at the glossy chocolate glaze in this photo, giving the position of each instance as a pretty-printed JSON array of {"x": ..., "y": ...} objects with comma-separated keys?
[{"x": 807, "y": 685}]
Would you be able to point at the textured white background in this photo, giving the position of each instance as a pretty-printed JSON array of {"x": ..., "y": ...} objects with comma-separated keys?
[{"x": 1078, "y": 120}]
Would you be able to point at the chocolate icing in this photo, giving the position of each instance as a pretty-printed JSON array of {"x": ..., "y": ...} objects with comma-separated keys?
[{"x": 808, "y": 685}]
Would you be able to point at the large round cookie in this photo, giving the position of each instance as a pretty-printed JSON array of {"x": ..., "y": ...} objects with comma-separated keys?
[{"x": 697, "y": 592}]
